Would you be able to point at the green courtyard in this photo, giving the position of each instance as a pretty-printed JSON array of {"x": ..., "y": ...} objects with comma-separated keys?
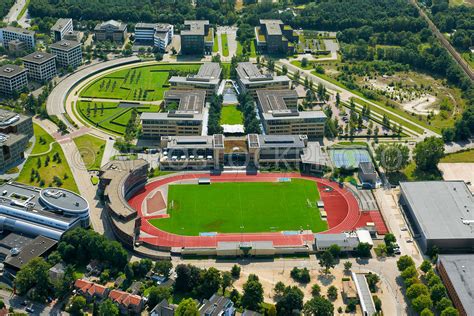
[
  {"x": 231, "y": 115},
  {"x": 242, "y": 207}
]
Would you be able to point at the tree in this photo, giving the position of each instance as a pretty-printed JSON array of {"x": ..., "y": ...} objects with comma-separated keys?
[
  {"x": 437, "y": 292},
  {"x": 425, "y": 266},
  {"x": 315, "y": 290},
  {"x": 77, "y": 304},
  {"x": 304, "y": 62},
  {"x": 347, "y": 266},
  {"x": 372, "y": 280},
  {"x": 253, "y": 293},
  {"x": 428, "y": 153},
  {"x": 363, "y": 249},
  {"x": 332, "y": 292},
  {"x": 108, "y": 308},
  {"x": 34, "y": 275},
  {"x": 335, "y": 250},
  {"x": 416, "y": 290},
  {"x": 318, "y": 306},
  {"x": 157, "y": 294},
  {"x": 392, "y": 157},
  {"x": 210, "y": 282},
  {"x": 409, "y": 273},
  {"x": 421, "y": 302},
  {"x": 279, "y": 289},
  {"x": 290, "y": 301},
  {"x": 187, "y": 277},
  {"x": 426, "y": 312},
  {"x": 327, "y": 261},
  {"x": 163, "y": 268},
  {"x": 443, "y": 304},
  {"x": 235, "y": 271},
  {"x": 377, "y": 303},
  {"x": 450, "y": 311},
  {"x": 404, "y": 262},
  {"x": 187, "y": 307},
  {"x": 226, "y": 281},
  {"x": 300, "y": 275}
]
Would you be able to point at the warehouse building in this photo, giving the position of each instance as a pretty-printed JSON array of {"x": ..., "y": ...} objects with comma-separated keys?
[
  {"x": 457, "y": 273},
  {"x": 279, "y": 113},
  {"x": 250, "y": 79},
  {"x": 207, "y": 78},
  {"x": 197, "y": 38},
  {"x": 441, "y": 214},
  {"x": 41, "y": 66},
  {"x": 157, "y": 34},
  {"x": 185, "y": 118},
  {"x": 9, "y": 33},
  {"x": 111, "y": 30},
  {"x": 68, "y": 53},
  {"x": 61, "y": 28},
  {"x": 12, "y": 79}
]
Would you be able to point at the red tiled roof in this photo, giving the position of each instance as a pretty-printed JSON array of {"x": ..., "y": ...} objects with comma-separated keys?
[
  {"x": 82, "y": 285},
  {"x": 125, "y": 298},
  {"x": 96, "y": 289}
]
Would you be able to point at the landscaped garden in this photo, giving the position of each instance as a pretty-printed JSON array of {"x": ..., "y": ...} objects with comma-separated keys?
[
  {"x": 91, "y": 149},
  {"x": 230, "y": 115}
]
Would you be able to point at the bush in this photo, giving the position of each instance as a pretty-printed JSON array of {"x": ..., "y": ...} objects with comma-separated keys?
[
  {"x": 315, "y": 290},
  {"x": 300, "y": 275},
  {"x": 405, "y": 262},
  {"x": 235, "y": 271},
  {"x": 332, "y": 292}
]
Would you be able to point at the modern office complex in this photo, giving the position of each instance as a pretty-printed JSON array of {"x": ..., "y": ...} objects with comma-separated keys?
[
  {"x": 9, "y": 33},
  {"x": 33, "y": 211},
  {"x": 276, "y": 149},
  {"x": 16, "y": 47},
  {"x": 207, "y": 78},
  {"x": 41, "y": 66},
  {"x": 185, "y": 117},
  {"x": 12, "y": 79},
  {"x": 15, "y": 132},
  {"x": 274, "y": 37},
  {"x": 279, "y": 113},
  {"x": 68, "y": 53},
  {"x": 61, "y": 28},
  {"x": 157, "y": 34},
  {"x": 250, "y": 79},
  {"x": 111, "y": 30},
  {"x": 441, "y": 214},
  {"x": 197, "y": 38},
  {"x": 192, "y": 152},
  {"x": 457, "y": 273}
]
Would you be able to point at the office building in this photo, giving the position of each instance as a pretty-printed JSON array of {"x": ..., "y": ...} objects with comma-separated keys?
[
  {"x": 12, "y": 79},
  {"x": 9, "y": 33},
  {"x": 74, "y": 36},
  {"x": 61, "y": 28},
  {"x": 279, "y": 113},
  {"x": 250, "y": 79},
  {"x": 207, "y": 78},
  {"x": 111, "y": 30},
  {"x": 457, "y": 273},
  {"x": 192, "y": 152},
  {"x": 273, "y": 36},
  {"x": 197, "y": 38},
  {"x": 276, "y": 149},
  {"x": 68, "y": 53},
  {"x": 16, "y": 47},
  {"x": 441, "y": 214},
  {"x": 184, "y": 118},
  {"x": 346, "y": 241},
  {"x": 33, "y": 211},
  {"x": 41, "y": 66},
  {"x": 157, "y": 34},
  {"x": 15, "y": 132},
  {"x": 19, "y": 257}
]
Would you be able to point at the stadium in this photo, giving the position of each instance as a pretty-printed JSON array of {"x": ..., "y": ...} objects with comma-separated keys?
[{"x": 227, "y": 214}]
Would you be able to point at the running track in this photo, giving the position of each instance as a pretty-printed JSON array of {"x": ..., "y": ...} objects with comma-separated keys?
[{"x": 341, "y": 206}]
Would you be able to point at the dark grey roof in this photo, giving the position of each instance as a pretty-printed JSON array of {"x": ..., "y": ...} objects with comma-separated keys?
[
  {"x": 196, "y": 27},
  {"x": 60, "y": 24},
  {"x": 188, "y": 100},
  {"x": 443, "y": 209},
  {"x": 460, "y": 271},
  {"x": 366, "y": 167},
  {"x": 65, "y": 45},
  {"x": 273, "y": 101},
  {"x": 281, "y": 141},
  {"x": 10, "y": 71},
  {"x": 273, "y": 26},
  {"x": 215, "y": 305},
  {"x": 39, "y": 246},
  {"x": 38, "y": 57},
  {"x": 164, "y": 309},
  {"x": 18, "y": 30},
  {"x": 14, "y": 240}
]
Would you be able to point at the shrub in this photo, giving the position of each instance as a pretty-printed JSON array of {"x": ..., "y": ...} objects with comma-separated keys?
[{"x": 332, "y": 292}]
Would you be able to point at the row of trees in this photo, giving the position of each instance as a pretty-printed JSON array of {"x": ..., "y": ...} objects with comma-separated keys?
[
  {"x": 247, "y": 107},
  {"x": 215, "y": 109}
]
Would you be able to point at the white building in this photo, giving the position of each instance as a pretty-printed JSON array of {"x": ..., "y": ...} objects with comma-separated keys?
[
  {"x": 12, "y": 78},
  {"x": 8, "y": 34},
  {"x": 41, "y": 66},
  {"x": 157, "y": 34},
  {"x": 61, "y": 28},
  {"x": 346, "y": 241},
  {"x": 68, "y": 53}
]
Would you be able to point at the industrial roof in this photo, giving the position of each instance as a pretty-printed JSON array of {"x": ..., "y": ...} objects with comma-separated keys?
[
  {"x": 9, "y": 71},
  {"x": 443, "y": 209},
  {"x": 281, "y": 141},
  {"x": 342, "y": 239},
  {"x": 460, "y": 271},
  {"x": 38, "y": 57},
  {"x": 35, "y": 248},
  {"x": 65, "y": 45}
]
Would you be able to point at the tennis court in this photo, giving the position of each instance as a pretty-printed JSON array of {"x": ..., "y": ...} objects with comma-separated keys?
[{"x": 348, "y": 158}]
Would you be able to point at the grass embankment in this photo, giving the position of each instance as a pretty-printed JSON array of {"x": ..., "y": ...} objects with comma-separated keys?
[
  {"x": 23, "y": 10},
  {"x": 459, "y": 157},
  {"x": 50, "y": 169},
  {"x": 242, "y": 207},
  {"x": 91, "y": 149}
]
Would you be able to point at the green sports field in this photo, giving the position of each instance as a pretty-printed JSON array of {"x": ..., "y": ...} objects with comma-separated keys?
[{"x": 248, "y": 207}]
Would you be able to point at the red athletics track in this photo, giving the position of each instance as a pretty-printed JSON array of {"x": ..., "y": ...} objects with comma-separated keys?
[{"x": 341, "y": 206}]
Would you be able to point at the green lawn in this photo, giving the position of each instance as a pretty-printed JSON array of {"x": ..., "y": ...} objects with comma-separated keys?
[
  {"x": 469, "y": 57},
  {"x": 23, "y": 10},
  {"x": 247, "y": 207},
  {"x": 215, "y": 46},
  {"x": 47, "y": 173},
  {"x": 231, "y": 116},
  {"x": 43, "y": 140},
  {"x": 461, "y": 156},
  {"x": 297, "y": 63},
  {"x": 145, "y": 83},
  {"x": 108, "y": 115},
  {"x": 225, "y": 45},
  {"x": 91, "y": 149}
]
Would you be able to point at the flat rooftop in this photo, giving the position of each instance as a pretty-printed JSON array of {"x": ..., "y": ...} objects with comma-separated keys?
[
  {"x": 443, "y": 209},
  {"x": 10, "y": 71},
  {"x": 460, "y": 271},
  {"x": 65, "y": 45},
  {"x": 18, "y": 30},
  {"x": 281, "y": 141},
  {"x": 111, "y": 24},
  {"x": 60, "y": 24},
  {"x": 249, "y": 73},
  {"x": 195, "y": 27},
  {"x": 198, "y": 142},
  {"x": 208, "y": 73},
  {"x": 38, "y": 57},
  {"x": 8, "y": 117},
  {"x": 37, "y": 247},
  {"x": 64, "y": 199},
  {"x": 273, "y": 26}
]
